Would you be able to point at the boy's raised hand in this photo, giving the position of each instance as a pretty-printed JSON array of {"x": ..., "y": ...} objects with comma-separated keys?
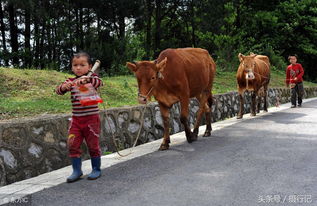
[
  {"x": 82, "y": 80},
  {"x": 67, "y": 86}
]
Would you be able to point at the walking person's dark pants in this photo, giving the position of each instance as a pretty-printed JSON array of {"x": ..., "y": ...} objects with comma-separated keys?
[{"x": 297, "y": 91}]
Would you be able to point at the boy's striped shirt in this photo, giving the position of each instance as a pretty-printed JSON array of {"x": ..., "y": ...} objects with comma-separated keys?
[{"x": 78, "y": 109}]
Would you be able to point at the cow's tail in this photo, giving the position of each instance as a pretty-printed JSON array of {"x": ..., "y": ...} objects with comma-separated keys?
[
  {"x": 210, "y": 101},
  {"x": 212, "y": 66}
]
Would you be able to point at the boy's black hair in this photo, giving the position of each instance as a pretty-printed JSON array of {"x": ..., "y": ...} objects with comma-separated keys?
[
  {"x": 82, "y": 54},
  {"x": 292, "y": 55}
]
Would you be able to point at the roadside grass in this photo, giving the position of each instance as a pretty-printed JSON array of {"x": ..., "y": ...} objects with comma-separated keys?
[{"x": 30, "y": 92}]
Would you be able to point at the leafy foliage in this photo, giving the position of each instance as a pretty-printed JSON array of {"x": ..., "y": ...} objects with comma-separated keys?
[{"x": 44, "y": 34}]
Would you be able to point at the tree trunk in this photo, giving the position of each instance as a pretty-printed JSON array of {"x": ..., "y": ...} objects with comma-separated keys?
[
  {"x": 121, "y": 27},
  {"x": 54, "y": 36},
  {"x": 49, "y": 39},
  {"x": 122, "y": 45},
  {"x": 36, "y": 47},
  {"x": 81, "y": 33},
  {"x": 87, "y": 39},
  {"x": 238, "y": 18},
  {"x": 98, "y": 26},
  {"x": 70, "y": 44},
  {"x": 77, "y": 35},
  {"x": 41, "y": 47},
  {"x": 13, "y": 35},
  {"x": 193, "y": 23},
  {"x": 148, "y": 29},
  {"x": 2, "y": 25},
  {"x": 27, "y": 39},
  {"x": 158, "y": 19}
]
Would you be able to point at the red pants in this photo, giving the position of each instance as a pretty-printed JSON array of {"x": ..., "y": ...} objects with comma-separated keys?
[{"x": 85, "y": 127}]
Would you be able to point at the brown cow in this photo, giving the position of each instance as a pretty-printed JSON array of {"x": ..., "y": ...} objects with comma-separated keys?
[
  {"x": 253, "y": 75},
  {"x": 176, "y": 76}
]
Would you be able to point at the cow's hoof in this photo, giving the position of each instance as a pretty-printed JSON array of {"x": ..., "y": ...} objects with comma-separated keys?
[
  {"x": 239, "y": 117},
  {"x": 195, "y": 131},
  {"x": 189, "y": 139},
  {"x": 192, "y": 137},
  {"x": 207, "y": 133},
  {"x": 253, "y": 114},
  {"x": 164, "y": 147},
  {"x": 265, "y": 110}
]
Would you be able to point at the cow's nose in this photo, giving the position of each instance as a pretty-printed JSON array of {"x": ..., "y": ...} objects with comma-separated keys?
[
  {"x": 250, "y": 76},
  {"x": 142, "y": 100}
]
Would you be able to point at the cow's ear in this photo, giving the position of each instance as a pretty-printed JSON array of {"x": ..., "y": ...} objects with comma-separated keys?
[
  {"x": 252, "y": 54},
  {"x": 240, "y": 56},
  {"x": 132, "y": 66},
  {"x": 161, "y": 66}
]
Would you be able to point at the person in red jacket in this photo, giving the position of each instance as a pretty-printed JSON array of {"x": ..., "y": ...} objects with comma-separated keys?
[
  {"x": 85, "y": 121},
  {"x": 294, "y": 80}
]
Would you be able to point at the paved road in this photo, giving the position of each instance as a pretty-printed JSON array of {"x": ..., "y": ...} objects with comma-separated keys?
[{"x": 253, "y": 162}]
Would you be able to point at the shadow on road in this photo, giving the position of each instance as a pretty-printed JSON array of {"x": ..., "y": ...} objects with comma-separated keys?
[{"x": 260, "y": 156}]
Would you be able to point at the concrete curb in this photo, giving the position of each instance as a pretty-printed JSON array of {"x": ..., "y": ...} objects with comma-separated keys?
[{"x": 23, "y": 188}]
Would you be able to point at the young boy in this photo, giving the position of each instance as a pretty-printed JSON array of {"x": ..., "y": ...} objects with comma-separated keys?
[
  {"x": 294, "y": 80},
  {"x": 85, "y": 122}
]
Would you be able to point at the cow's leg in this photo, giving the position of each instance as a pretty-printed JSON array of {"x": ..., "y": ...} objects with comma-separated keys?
[
  {"x": 265, "y": 99},
  {"x": 253, "y": 103},
  {"x": 165, "y": 116},
  {"x": 258, "y": 106},
  {"x": 208, "y": 116},
  {"x": 184, "y": 120},
  {"x": 203, "y": 107},
  {"x": 241, "y": 110}
]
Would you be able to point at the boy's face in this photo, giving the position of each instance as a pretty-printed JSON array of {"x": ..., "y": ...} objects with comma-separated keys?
[
  {"x": 80, "y": 65},
  {"x": 292, "y": 59}
]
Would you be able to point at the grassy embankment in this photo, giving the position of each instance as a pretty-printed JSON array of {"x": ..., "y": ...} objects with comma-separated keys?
[{"x": 31, "y": 92}]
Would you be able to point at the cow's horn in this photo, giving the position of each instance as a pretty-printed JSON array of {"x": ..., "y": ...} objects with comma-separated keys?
[
  {"x": 160, "y": 75},
  {"x": 252, "y": 54}
]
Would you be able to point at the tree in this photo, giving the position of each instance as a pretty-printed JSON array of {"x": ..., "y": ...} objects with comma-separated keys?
[
  {"x": 3, "y": 35},
  {"x": 45, "y": 34},
  {"x": 28, "y": 8},
  {"x": 13, "y": 33}
]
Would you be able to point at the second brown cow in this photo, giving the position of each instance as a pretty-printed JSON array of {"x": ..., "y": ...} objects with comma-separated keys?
[
  {"x": 253, "y": 75},
  {"x": 176, "y": 76}
]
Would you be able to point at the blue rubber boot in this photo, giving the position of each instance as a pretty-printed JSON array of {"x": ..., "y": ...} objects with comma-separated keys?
[
  {"x": 77, "y": 173},
  {"x": 96, "y": 172}
]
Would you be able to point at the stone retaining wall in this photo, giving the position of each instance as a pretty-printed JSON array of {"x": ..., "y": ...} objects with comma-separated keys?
[{"x": 32, "y": 146}]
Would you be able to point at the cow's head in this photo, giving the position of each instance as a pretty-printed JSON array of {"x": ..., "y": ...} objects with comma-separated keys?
[
  {"x": 147, "y": 73},
  {"x": 247, "y": 64}
]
